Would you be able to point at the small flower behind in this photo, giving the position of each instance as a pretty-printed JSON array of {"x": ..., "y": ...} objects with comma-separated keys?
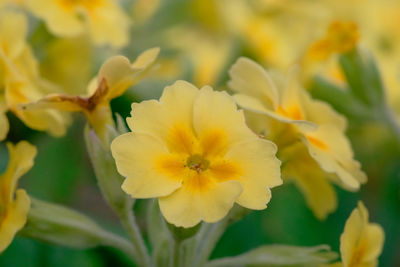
[
  {"x": 14, "y": 209},
  {"x": 193, "y": 150},
  {"x": 115, "y": 76},
  {"x": 315, "y": 124},
  {"x": 361, "y": 242},
  {"x": 103, "y": 20}
]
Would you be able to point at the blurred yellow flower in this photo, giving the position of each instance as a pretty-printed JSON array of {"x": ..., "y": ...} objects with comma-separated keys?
[
  {"x": 115, "y": 76},
  {"x": 193, "y": 150},
  {"x": 14, "y": 209},
  {"x": 341, "y": 37},
  {"x": 66, "y": 58},
  {"x": 20, "y": 82},
  {"x": 361, "y": 242},
  {"x": 312, "y": 122},
  {"x": 104, "y": 20}
]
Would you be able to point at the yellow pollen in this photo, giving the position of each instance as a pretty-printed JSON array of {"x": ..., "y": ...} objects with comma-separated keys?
[{"x": 197, "y": 163}]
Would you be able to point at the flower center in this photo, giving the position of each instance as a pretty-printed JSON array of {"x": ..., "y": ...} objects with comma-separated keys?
[{"x": 197, "y": 163}]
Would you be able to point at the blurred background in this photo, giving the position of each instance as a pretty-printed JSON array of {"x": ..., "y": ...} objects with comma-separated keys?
[{"x": 199, "y": 41}]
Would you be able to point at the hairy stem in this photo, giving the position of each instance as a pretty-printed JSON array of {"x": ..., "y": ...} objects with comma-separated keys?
[{"x": 129, "y": 222}]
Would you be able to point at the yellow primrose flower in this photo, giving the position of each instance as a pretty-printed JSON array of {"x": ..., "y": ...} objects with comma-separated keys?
[
  {"x": 20, "y": 82},
  {"x": 14, "y": 209},
  {"x": 312, "y": 122},
  {"x": 340, "y": 37},
  {"x": 361, "y": 242},
  {"x": 193, "y": 150},
  {"x": 115, "y": 76},
  {"x": 104, "y": 20}
]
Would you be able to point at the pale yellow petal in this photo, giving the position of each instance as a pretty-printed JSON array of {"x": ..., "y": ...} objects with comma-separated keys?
[
  {"x": 351, "y": 236},
  {"x": 13, "y": 31},
  {"x": 108, "y": 24},
  {"x": 290, "y": 97},
  {"x": 332, "y": 150},
  {"x": 174, "y": 111},
  {"x": 374, "y": 238},
  {"x": 15, "y": 218},
  {"x": 322, "y": 113},
  {"x": 254, "y": 105},
  {"x": 48, "y": 120},
  {"x": 139, "y": 158},
  {"x": 20, "y": 161},
  {"x": 187, "y": 207},
  {"x": 314, "y": 185},
  {"x": 4, "y": 125},
  {"x": 259, "y": 171},
  {"x": 120, "y": 74},
  {"x": 57, "y": 101},
  {"x": 61, "y": 19},
  {"x": 249, "y": 78},
  {"x": 217, "y": 110}
]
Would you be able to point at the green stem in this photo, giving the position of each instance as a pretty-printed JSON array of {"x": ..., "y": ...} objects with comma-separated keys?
[
  {"x": 392, "y": 122},
  {"x": 129, "y": 222},
  {"x": 176, "y": 253},
  {"x": 211, "y": 233},
  {"x": 109, "y": 239}
]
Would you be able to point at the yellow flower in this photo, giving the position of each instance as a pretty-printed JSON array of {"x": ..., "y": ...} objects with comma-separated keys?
[
  {"x": 20, "y": 82},
  {"x": 66, "y": 58},
  {"x": 340, "y": 37},
  {"x": 14, "y": 209},
  {"x": 193, "y": 150},
  {"x": 311, "y": 180},
  {"x": 312, "y": 122},
  {"x": 104, "y": 20},
  {"x": 115, "y": 76},
  {"x": 361, "y": 242}
]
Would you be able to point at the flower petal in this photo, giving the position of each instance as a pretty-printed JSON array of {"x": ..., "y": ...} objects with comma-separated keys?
[
  {"x": 250, "y": 78},
  {"x": 186, "y": 206},
  {"x": 322, "y": 113},
  {"x": 171, "y": 117},
  {"x": 331, "y": 149},
  {"x": 312, "y": 182},
  {"x": 15, "y": 218},
  {"x": 20, "y": 161},
  {"x": 217, "y": 110},
  {"x": 259, "y": 171},
  {"x": 4, "y": 125},
  {"x": 61, "y": 21},
  {"x": 120, "y": 74},
  {"x": 254, "y": 105},
  {"x": 137, "y": 157}
]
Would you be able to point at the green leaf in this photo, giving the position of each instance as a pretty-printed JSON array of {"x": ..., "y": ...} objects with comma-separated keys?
[{"x": 279, "y": 255}]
